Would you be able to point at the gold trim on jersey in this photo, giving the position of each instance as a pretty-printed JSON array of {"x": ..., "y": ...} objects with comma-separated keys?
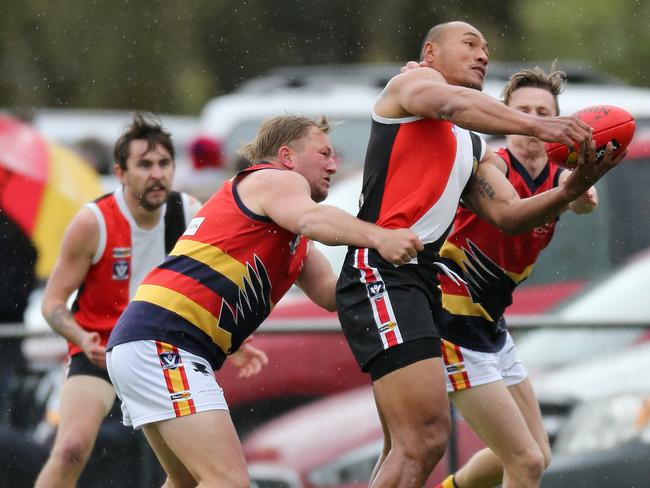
[
  {"x": 463, "y": 305},
  {"x": 188, "y": 309},
  {"x": 456, "y": 254},
  {"x": 214, "y": 258}
]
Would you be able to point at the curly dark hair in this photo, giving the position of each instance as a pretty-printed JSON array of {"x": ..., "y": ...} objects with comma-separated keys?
[{"x": 144, "y": 126}]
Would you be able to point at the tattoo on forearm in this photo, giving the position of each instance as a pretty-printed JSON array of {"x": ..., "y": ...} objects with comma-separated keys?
[
  {"x": 59, "y": 318},
  {"x": 485, "y": 188}
]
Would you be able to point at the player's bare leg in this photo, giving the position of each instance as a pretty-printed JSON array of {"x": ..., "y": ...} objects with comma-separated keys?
[
  {"x": 85, "y": 401},
  {"x": 177, "y": 474},
  {"x": 524, "y": 395},
  {"x": 495, "y": 416},
  {"x": 385, "y": 448},
  {"x": 201, "y": 448},
  {"x": 415, "y": 408}
]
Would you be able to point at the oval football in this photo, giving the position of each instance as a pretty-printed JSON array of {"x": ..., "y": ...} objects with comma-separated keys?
[{"x": 608, "y": 122}]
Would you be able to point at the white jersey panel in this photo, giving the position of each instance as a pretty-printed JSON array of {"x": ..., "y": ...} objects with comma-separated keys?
[
  {"x": 435, "y": 222},
  {"x": 147, "y": 246}
]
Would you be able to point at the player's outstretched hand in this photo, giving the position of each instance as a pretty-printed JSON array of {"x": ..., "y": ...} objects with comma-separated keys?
[
  {"x": 569, "y": 130},
  {"x": 590, "y": 168},
  {"x": 248, "y": 359},
  {"x": 399, "y": 246}
]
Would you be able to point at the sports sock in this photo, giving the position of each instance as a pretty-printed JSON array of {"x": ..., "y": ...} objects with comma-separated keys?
[{"x": 448, "y": 482}]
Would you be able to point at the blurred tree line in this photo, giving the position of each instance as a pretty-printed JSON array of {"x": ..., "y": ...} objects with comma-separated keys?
[{"x": 170, "y": 56}]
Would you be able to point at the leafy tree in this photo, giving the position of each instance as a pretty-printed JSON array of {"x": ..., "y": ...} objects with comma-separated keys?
[{"x": 169, "y": 56}]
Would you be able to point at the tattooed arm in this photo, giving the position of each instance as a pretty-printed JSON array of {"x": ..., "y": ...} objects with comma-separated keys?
[
  {"x": 491, "y": 196},
  {"x": 77, "y": 250}
]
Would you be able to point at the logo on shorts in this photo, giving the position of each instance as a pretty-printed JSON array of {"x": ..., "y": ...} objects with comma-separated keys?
[
  {"x": 170, "y": 360},
  {"x": 120, "y": 269},
  {"x": 455, "y": 368},
  {"x": 387, "y": 327},
  {"x": 200, "y": 368},
  {"x": 184, "y": 395},
  {"x": 376, "y": 290}
]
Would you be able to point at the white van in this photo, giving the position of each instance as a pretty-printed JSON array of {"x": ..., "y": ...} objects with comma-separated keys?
[
  {"x": 234, "y": 119},
  {"x": 346, "y": 93}
]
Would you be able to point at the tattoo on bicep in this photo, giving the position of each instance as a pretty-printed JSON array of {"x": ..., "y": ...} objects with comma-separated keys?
[{"x": 484, "y": 187}]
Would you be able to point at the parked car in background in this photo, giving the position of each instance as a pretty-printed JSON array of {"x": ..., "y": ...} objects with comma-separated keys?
[
  {"x": 595, "y": 345},
  {"x": 605, "y": 442},
  {"x": 234, "y": 118},
  {"x": 603, "y": 438},
  {"x": 618, "y": 299},
  {"x": 616, "y": 307},
  {"x": 333, "y": 442},
  {"x": 93, "y": 132}
]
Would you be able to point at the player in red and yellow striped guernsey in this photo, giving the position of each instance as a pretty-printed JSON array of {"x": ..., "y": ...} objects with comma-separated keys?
[
  {"x": 240, "y": 254},
  {"x": 485, "y": 378},
  {"x": 235, "y": 260}
]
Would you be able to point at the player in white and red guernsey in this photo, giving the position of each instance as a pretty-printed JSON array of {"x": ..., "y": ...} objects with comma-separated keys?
[
  {"x": 422, "y": 156},
  {"x": 485, "y": 378},
  {"x": 108, "y": 248}
]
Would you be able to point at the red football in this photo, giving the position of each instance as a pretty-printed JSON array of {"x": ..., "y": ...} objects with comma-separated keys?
[{"x": 609, "y": 123}]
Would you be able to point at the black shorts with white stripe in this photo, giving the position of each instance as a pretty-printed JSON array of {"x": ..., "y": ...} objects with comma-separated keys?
[{"x": 381, "y": 306}]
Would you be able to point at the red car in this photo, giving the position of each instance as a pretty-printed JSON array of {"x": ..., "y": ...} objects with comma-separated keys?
[{"x": 333, "y": 442}]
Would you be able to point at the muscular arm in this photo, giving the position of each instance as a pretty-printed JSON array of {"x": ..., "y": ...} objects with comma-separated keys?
[
  {"x": 491, "y": 196},
  {"x": 424, "y": 92},
  {"x": 285, "y": 197},
  {"x": 79, "y": 245},
  {"x": 317, "y": 279}
]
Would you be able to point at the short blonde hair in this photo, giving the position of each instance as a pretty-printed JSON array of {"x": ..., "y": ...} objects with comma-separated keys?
[
  {"x": 283, "y": 130},
  {"x": 553, "y": 82}
]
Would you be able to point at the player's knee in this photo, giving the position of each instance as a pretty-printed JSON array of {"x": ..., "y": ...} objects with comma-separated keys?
[
  {"x": 436, "y": 441},
  {"x": 72, "y": 451},
  {"x": 431, "y": 440},
  {"x": 532, "y": 462}
]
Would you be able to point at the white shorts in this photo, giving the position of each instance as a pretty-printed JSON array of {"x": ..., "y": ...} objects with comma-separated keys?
[
  {"x": 466, "y": 368},
  {"x": 157, "y": 381}
]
